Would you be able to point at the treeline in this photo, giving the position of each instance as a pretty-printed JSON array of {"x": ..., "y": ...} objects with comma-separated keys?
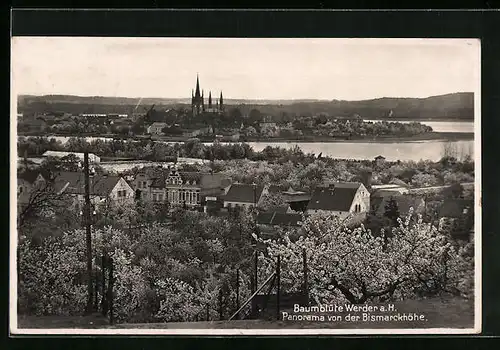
[
  {"x": 459, "y": 106},
  {"x": 274, "y": 165}
]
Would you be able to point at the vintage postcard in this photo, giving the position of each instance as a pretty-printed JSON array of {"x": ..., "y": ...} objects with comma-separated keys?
[{"x": 245, "y": 186}]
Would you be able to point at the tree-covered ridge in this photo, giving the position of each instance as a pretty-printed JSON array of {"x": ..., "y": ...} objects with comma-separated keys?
[{"x": 455, "y": 106}]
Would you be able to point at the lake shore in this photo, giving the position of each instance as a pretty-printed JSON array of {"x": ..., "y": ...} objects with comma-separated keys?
[{"x": 432, "y": 136}]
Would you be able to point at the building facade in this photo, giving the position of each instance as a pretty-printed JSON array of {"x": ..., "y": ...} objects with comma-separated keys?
[
  {"x": 190, "y": 189},
  {"x": 156, "y": 128},
  {"x": 243, "y": 195},
  {"x": 198, "y": 105}
]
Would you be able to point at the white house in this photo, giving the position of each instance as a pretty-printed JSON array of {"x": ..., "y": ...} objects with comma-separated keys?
[
  {"x": 110, "y": 188},
  {"x": 156, "y": 128},
  {"x": 343, "y": 199}
]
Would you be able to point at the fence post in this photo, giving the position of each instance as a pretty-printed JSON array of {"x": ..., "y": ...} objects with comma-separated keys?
[
  {"x": 306, "y": 287},
  {"x": 111, "y": 281},
  {"x": 237, "y": 291},
  {"x": 278, "y": 272},
  {"x": 208, "y": 312}
]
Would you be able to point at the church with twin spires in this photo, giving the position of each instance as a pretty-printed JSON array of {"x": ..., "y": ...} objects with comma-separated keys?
[{"x": 198, "y": 105}]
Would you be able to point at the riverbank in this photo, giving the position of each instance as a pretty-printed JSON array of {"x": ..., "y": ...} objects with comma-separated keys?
[{"x": 432, "y": 136}]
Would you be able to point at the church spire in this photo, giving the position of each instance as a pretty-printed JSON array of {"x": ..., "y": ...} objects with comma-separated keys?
[
  {"x": 221, "y": 102},
  {"x": 210, "y": 99},
  {"x": 197, "y": 94}
]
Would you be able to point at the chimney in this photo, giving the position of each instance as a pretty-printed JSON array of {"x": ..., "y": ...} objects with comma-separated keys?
[{"x": 367, "y": 179}]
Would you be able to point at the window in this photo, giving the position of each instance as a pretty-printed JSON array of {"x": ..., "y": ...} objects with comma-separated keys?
[
  {"x": 160, "y": 197},
  {"x": 21, "y": 189},
  {"x": 144, "y": 184}
]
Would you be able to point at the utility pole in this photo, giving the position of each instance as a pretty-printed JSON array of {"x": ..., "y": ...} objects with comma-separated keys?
[
  {"x": 278, "y": 291},
  {"x": 238, "y": 289},
  {"x": 306, "y": 287},
  {"x": 88, "y": 231}
]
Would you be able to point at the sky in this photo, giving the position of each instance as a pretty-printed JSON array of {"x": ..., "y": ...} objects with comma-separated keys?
[{"x": 243, "y": 68}]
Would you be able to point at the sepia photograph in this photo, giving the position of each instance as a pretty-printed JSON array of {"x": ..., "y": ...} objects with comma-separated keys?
[{"x": 245, "y": 186}]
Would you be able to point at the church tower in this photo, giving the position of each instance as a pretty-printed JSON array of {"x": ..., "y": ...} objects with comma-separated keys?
[
  {"x": 221, "y": 103},
  {"x": 197, "y": 99}
]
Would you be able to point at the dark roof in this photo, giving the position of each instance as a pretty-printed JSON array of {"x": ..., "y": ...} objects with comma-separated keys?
[
  {"x": 404, "y": 203},
  {"x": 337, "y": 198},
  {"x": 158, "y": 182},
  {"x": 29, "y": 175},
  {"x": 281, "y": 219},
  {"x": 74, "y": 183},
  {"x": 454, "y": 208},
  {"x": 204, "y": 180},
  {"x": 243, "y": 193},
  {"x": 379, "y": 157}
]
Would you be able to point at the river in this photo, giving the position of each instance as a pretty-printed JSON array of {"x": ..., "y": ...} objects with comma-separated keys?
[{"x": 408, "y": 150}]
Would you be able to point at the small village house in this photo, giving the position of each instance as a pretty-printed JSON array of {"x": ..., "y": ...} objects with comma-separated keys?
[
  {"x": 191, "y": 189},
  {"x": 342, "y": 199},
  {"x": 298, "y": 200},
  {"x": 27, "y": 181},
  {"x": 103, "y": 188},
  {"x": 156, "y": 128},
  {"x": 244, "y": 195},
  {"x": 271, "y": 222}
]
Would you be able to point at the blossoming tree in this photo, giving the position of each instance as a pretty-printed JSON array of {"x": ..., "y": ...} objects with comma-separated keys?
[{"x": 355, "y": 266}]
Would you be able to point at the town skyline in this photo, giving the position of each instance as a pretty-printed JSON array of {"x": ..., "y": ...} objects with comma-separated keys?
[{"x": 245, "y": 69}]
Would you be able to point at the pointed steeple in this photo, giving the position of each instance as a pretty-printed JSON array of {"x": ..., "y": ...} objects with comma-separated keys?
[
  {"x": 197, "y": 93},
  {"x": 221, "y": 102},
  {"x": 210, "y": 99}
]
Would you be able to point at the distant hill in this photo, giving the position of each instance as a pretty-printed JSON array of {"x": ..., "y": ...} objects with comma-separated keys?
[{"x": 455, "y": 106}]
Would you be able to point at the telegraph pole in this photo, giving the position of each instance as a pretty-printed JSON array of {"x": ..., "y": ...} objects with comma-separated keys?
[{"x": 88, "y": 231}]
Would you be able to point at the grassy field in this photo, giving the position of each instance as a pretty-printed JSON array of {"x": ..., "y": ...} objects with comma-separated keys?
[{"x": 438, "y": 313}]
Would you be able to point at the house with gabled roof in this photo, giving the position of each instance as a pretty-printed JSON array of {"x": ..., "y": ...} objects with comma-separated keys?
[
  {"x": 244, "y": 195},
  {"x": 270, "y": 222},
  {"x": 189, "y": 189},
  {"x": 156, "y": 128},
  {"x": 343, "y": 199},
  {"x": 27, "y": 180},
  {"x": 102, "y": 187}
]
